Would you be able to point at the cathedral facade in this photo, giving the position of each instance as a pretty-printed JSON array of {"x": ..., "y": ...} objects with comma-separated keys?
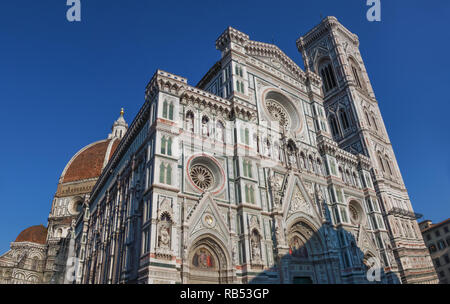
[{"x": 261, "y": 173}]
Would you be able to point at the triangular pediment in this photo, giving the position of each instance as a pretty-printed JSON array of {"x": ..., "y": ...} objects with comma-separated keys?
[
  {"x": 365, "y": 242},
  {"x": 274, "y": 57},
  {"x": 207, "y": 217},
  {"x": 297, "y": 199}
]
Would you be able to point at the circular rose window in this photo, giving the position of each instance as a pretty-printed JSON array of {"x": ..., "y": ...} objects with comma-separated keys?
[
  {"x": 202, "y": 177},
  {"x": 205, "y": 173}
]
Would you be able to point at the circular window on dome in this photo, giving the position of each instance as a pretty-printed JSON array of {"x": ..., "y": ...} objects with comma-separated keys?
[{"x": 205, "y": 173}]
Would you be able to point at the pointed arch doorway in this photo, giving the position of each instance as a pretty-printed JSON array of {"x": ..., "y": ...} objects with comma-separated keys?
[{"x": 207, "y": 263}]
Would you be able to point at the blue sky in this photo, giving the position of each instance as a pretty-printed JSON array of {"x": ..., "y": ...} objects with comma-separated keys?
[{"x": 62, "y": 84}]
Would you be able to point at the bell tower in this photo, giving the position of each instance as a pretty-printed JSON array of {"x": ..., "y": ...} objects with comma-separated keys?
[{"x": 331, "y": 51}]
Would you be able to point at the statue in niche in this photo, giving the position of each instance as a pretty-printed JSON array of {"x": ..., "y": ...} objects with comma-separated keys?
[
  {"x": 164, "y": 232},
  {"x": 190, "y": 121},
  {"x": 219, "y": 131},
  {"x": 255, "y": 246}
]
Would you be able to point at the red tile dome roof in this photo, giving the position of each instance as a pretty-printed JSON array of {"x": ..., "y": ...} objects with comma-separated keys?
[
  {"x": 34, "y": 234},
  {"x": 89, "y": 161}
]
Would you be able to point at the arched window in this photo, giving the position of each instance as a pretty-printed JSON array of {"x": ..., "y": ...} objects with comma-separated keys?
[
  {"x": 374, "y": 123},
  {"x": 245, "y": 168},
  {"x": 165, "y": 108},
  {"x": 171, "y": 108},
  {"x": 356, "y": 72},
  {"x": 162, "y": 170},
  {"x": 327, "y": 75},
  {"x": 334, "y": 126},
  {"x": 163, "y": 145},
  {"x": 252, "y": 195},
  {"x": 344, "y": 119},
  {"x": 380, "y": 160},
  {"x": 368, "y": 119},
  {"x": 247, "y": 196},
  {"x": 35, "y": 262},
  {"x": 169, "y": 146},
  {"x": 169, "y": 175},
  {"x": 247, "y": 136},
  {"x": 388, "y": 165}
]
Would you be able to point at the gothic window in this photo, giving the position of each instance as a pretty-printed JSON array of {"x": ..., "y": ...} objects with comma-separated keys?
[
  {"x": 344, "y": 214},
  {"x": 388, "y": 166},
  {"x": 374, "y": 123},
  {"x": 356, "y": 76},
  {"x": 162, "y": 170},
  {"x": 356, "y": 71},
  {"x": 171, "y": 108},
  {"x": 165, "y": 108},
  {"x": 245, "y": 136},
  {"x": 163, "y": 145},
  {"x": 344, "y": 119},
  {"x": 169, "y": 175},
  {"x": 248, "y": 169},
  {"x": 35, "y": 262},
  {"x": 247, "y": 196},
  {"x": 327, "y": 74},
  {"x": 380, "y": 160},
  {"x": 334, "y": 126},
  {"x": 368, "y": 119},
  {"x": 169, "y": 146}
]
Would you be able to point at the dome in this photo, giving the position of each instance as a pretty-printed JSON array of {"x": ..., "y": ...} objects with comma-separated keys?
[
  {"x": 33, "y": 234},
  {"x": 89, "y": 162}
]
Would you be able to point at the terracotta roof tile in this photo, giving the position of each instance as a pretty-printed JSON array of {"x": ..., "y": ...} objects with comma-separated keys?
[{"x": 34, "y": 234}]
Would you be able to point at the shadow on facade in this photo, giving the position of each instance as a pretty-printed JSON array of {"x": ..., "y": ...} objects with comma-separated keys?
[{"x": 326, "y": 256}]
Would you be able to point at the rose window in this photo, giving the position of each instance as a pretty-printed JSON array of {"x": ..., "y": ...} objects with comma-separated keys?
[
  {"x": 278, "y": 113},
  {"x": 202, "y": 177}
]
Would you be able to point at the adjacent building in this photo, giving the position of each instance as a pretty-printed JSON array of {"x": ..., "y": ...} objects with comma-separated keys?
[{"x": 437, "y": 239}]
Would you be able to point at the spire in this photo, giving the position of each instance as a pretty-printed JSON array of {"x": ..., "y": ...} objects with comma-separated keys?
[{"x": 119, "y": 128}]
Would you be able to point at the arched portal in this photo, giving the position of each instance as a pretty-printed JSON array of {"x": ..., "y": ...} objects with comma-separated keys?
[
  {"x": 207, "y": 262},
  {"x": 305, "y": 254}
]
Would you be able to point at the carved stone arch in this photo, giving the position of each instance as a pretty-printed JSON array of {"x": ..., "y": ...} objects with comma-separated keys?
[
  {"x": 309, "y": 235},
  {"x": 321, "y": 58},
  {"x": 208, "y": 261}
]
